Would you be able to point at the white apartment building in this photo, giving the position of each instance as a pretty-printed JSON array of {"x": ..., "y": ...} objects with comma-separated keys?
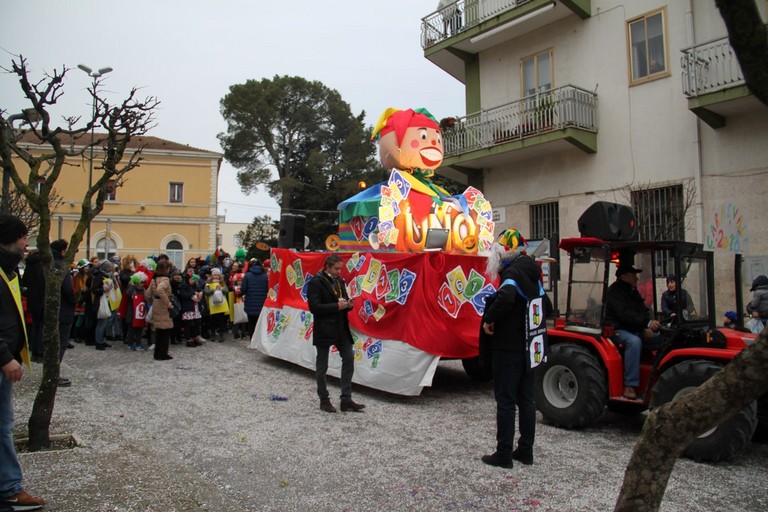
[{"x": 639, "y": 102}]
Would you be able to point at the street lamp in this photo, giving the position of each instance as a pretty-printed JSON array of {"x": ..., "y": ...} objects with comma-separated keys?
[{"x": 95, "y": 75}]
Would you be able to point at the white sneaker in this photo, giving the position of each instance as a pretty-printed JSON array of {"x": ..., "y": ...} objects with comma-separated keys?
[
  {"x": 200, "y": 338},
  {"x": 151, "y": 347}
]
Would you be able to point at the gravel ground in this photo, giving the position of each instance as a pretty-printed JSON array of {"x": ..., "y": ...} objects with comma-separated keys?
[{"x": 200, "y": 432}]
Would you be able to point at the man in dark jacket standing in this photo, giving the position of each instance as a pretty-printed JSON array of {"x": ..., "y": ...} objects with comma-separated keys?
[
  {"x": 68, "y": 301},
  {"x": 33, "y": 283},
  {"x": 254, "y": 290},
  {"x": 330, "y": 305},
  {"x": 505, "y": 322},
  {"x": 632, "y": 323},
  {"x": 13, "y": 351}
]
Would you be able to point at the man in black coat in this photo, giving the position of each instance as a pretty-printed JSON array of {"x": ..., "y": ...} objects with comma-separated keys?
[
  {"x": 68, "y": 301},
  {"x": 330, "y": 305},
  {"x": 632, "y": 323},
  {"x": 505, "y": 322}
]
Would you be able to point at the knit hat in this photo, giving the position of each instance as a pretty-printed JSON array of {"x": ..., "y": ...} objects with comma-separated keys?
[
  {"x": 11, "y": 229},
  {"x": 215, "y": 272},
  {"x": 508, "y": 246},
  {"x": 106, "y": 266},
  {"x": 59, "y": 245},
  {"x": 731, "y": 315},
  {"x": 138, "y": 278}
]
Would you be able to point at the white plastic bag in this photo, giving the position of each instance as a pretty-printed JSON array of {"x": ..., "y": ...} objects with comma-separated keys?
[
  {"x": 755, "y": 325},
  {"x": 104, "y": 310}
]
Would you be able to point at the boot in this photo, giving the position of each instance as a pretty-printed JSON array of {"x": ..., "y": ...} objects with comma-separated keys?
[
  {"x": 327, "y": 406},
  {"x": 349, "y": 405}
]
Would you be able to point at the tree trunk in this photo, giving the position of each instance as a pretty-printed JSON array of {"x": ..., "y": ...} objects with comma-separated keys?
[
  {"x": 669, "y": 429},
  {"x": 40, "y": 420}
]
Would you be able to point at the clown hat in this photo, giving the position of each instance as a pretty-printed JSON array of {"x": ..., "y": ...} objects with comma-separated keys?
[{"x": 509, "y": 245}]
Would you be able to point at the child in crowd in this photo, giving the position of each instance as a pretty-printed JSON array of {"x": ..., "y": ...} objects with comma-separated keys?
[
  {"x": 136, "y": 312},
  {"x": 216, "y": 294},
  {"x": 239, "y": 330},
  {"x": 190, "y": 297}
]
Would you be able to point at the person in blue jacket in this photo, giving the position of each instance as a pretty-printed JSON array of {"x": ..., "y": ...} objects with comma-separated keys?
[{"x": 253, "y": 290}]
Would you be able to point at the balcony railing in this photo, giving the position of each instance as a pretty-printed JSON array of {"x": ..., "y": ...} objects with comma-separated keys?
[
  {"x": 710, "y": 67},
  {"x": 456, "y": 18},
  {"x": 560, "y": 108}
]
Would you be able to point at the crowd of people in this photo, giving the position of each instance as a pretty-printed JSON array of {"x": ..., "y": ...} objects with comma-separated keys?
[
  {"x": 147, "y": 304},
  {"x": 154, "y": 304}
]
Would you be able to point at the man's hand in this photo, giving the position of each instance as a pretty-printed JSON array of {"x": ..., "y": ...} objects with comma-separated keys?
[
  {"x": 488, "y": 328},
  {"x": 654, "y": 325},
  {"x": 13, "y": 371}
]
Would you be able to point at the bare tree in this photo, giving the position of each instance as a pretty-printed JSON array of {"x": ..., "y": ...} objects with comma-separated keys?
[
  {"x": 661, "y": 216},
  {"x": 670, "y": 428},
  {"x": 44, "y": 152}
]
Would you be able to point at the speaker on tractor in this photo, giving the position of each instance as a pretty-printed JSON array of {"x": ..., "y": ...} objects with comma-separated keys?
[
  {"x": 291, "y": 233},
  {"x": 608, "y": 221}
]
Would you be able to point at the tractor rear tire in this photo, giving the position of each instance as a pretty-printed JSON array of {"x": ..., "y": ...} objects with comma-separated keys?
[
  {"x": 571, "y": 389},
  {"x": 724, "y": 441}
]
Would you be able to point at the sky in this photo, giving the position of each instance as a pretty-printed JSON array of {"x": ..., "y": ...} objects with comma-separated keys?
[{"x": 188, "y": 53}]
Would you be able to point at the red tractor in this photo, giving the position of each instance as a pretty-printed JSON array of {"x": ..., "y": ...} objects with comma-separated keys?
[{"x": 584, "y": 371}]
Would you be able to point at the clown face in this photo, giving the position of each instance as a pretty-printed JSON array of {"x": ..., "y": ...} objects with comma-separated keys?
[{"x": 421, "y": 148}]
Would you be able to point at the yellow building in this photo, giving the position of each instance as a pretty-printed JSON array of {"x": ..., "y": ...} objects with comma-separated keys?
[{"x": 166, "y": 205}]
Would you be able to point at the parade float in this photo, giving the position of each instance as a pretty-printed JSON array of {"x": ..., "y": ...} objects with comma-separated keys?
[{"x": 414, "y": 264}]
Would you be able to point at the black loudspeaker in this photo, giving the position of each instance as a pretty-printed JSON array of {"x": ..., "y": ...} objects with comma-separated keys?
[
  {"x": 608, "y": 221},
  {"x": 291, "y": 233}
]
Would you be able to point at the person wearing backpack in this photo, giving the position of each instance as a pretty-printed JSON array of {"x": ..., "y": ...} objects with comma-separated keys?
[{"x": 505, "y": 322}]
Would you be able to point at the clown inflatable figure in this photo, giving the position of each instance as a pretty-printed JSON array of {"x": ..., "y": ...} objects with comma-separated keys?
[{"x": 410, "y": 141}]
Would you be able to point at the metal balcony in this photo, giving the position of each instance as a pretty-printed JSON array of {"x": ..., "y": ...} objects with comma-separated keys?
[
  {"x": 453, "y": 34},
  {"x": 567, "y": 114},
  {"x": 714, "y": 83}
]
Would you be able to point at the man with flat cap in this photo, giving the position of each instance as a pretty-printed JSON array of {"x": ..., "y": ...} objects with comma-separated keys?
[
  {"x": 13, "y": 351},
  {"x": 632, "y": 323}
]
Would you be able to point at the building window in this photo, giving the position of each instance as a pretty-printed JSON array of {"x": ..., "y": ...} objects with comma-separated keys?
[
  {"x": 545, "y": 220},
  {"x": 660, "y": 214},
  {"x": 111, "y": 190},
  {"x": 177, "y": 192},
  {"x": 106, "y": 248},
  {"x": 536, "y": 72},
  {"x": 647, "y": 49},
  {"x": 39, "y": 185},
  {"x": 175, "y": 252}
]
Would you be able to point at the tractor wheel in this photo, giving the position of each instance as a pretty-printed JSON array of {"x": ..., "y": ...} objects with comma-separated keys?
[
  {"x": 722, "y": 442},
  {"x": 475, "y": 371},
  {"x": 571, "y": 389}
]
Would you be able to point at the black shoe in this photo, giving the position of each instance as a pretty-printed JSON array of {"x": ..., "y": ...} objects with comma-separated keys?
[
  {"x": 166, "y": 357},
  {"x": 64, "y": 383},
  {"x": 37, "y": 358},
  {"x": 107, "y": 345},
  {"x": 520, "y": 456},
  {"x": 497, "y": 460},
  {"x": 349, "y": 405},
  {"x": 101, "y": 346},
  {"x": 327, "y": 406}
]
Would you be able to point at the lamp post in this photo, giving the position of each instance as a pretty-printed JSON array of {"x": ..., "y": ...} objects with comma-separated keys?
[{"x": 95, "y": 75}]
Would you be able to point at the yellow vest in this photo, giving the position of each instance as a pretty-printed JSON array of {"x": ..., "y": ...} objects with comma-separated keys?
[{"x": 13, "y": 285}]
